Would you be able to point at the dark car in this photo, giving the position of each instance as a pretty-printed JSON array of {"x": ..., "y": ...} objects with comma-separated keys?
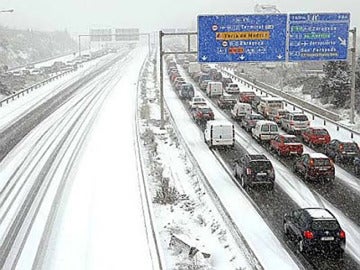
[
  {"x": 315, "y": 230},
  {"x": 255, "y": 170},
  {"x": 226, "y": 101},
  {"x": 249, "y": 120},
  {"x": 225, "y": 81},
  {"x": 255, "y": 103},
  {"x": 186, "y": 91},
  {"x": 315, "y": 166},
  {"x": 341, "y": 151}
]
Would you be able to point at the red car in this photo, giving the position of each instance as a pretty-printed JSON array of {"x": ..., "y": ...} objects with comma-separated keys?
[
  {"x": 316, "y": 136},
  {"x": 246, "y": 96},
  {"x": 285, "y": 145},
  {"x": 202, "y": 113}
]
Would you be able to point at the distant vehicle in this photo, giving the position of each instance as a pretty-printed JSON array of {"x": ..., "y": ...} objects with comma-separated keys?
[
  {"x": 269, "y": 104},
  {"x": 178, "y": 85},
  {"x": 315, "y": 230},
  {"x": 295, "y": 122},
  {"x": 232, "y": 88},
  {"x": 193, "y": 68},
  {"x": 202, "y": 113},
  {"x": 342, "y": 151},
  {"x": 255, "y": 103},
  {"x": 214, "y": 89},
  {"x": 255, "y": 170},
  {"x": 225, "y": 81},
  {"x": 277, "y": 114},
  {"x": 203, "y": 85},
  {"x": 265, "y": 130},
  {"x": 286, "y": 145},
  {"x": 226, "y": 101},
  {"x": 186, "y": 91},
  {"x": 246, "y": 96},
  {"x": 315, "y": 166},
  {"x": 219, "y": 133},
  {"x": 315, "y": 136},
  {"x": 248, "y": 122},
  {"x": 240, "y": 110},
  {"x": 197, "y": 101}
]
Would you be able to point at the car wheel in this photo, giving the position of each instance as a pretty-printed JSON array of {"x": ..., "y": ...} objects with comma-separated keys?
[
  {"x": 243, "y": 184},
  {"x": 286, "y": 229},
  {"x": 356, "y": 169},
  {"x": 301, "y": 248}
]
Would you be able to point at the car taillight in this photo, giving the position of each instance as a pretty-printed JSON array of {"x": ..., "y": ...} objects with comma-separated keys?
[
  {"x": 308, "y": 234},
  {"x": 341, "y": 147},
  {"x": 248, "y": 171},
  {"x": 311, "y": 163},
  {"x": 342, "y": 234}
]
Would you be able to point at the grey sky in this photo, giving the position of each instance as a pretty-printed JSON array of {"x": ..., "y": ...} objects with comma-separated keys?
[{"x": 77, "y": 16}]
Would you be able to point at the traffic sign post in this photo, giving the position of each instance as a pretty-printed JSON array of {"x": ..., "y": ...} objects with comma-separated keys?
[
  {"x": 318, "y": 36},
  {"x": 242, "y": 38}
]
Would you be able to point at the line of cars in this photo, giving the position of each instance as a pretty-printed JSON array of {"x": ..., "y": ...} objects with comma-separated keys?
[{"x": 312, "y": 229}]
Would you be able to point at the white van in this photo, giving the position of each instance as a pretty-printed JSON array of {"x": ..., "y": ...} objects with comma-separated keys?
[
  {"x": 240, "y": 110},
  {"x": 265, "y": 130},
  {"x": 214, "y": 89},
  {"x": 219, "y": 133}
]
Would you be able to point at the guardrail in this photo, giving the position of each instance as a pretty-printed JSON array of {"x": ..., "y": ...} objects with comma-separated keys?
[
  {"x": 34, "y": 86},
  {"x": 296, "y": 102}
]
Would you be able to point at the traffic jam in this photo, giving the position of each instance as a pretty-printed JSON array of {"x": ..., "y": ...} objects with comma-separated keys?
[{"x": 312, "y": 232}]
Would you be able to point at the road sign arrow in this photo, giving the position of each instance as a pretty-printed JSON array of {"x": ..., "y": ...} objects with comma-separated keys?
[
  {"x": 242, "y": 57},
  {"x": 204, "y": 58},
  {"x": 279, "y": 56},
  {"x": 342, "y": 41}
]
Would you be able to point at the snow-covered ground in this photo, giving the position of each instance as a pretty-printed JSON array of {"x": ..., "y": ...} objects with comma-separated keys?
[{"x": 101, "y": 224}]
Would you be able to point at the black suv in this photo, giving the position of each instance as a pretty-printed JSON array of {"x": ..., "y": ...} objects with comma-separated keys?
[
  {"x": 254, "y": 170},
  {"x": 315, "y": 230},
  {"x": 341, "y": 151}
]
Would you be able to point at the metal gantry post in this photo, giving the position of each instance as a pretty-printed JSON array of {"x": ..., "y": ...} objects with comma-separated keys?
[
  {"x": 353, "y": 68},
  {"x": 161, "y": 82}
]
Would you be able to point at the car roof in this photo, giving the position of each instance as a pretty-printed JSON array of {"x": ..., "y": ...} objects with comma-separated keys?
[
  {"x": 262, "y": 122},
  {"x": 258, "y": 157},
  {"x": 317, "y": 155},
  {"x": 319, "y": 213},
  {"x": 287, "y": 135}
]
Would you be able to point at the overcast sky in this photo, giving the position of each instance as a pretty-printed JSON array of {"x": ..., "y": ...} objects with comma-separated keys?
[{"x": 77, "y": 16}]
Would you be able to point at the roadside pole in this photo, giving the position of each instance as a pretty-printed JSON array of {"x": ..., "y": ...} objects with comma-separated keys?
[{"x": 353, "y": 68}]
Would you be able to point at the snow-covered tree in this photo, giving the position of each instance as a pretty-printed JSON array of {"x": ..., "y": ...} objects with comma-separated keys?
[{"x": 335, "y": 86}]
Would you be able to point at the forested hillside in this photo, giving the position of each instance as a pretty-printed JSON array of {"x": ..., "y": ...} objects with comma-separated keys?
[{"x": 19, "y": 47}]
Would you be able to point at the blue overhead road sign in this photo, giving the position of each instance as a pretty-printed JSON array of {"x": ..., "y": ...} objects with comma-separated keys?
[
  {"x": 318, "y": 36},
  {"x": 242, "y": 38}
]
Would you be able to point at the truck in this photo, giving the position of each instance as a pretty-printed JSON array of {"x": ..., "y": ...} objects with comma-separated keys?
[
  {"x": 193, "y": 67},
  {"x": 240, "y": 110},
  {"x": 268, "y": 104},
  {"x": 219, "y": 133}
]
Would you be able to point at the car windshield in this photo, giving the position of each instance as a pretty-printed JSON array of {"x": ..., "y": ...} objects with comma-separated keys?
[
  {"x": 205, "y": 110},
  {"x": 351, "y": 147},
  {"x": 301, "y": 117},
  {"x": 328, "y": 225},
  {"x": 261, "y": 165},
  {"x": 322, "y": 162},
  {"x": 320, "y": 132},
  {"x": 257, "y": 117},
  {"x": 290, "y": 140}
]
